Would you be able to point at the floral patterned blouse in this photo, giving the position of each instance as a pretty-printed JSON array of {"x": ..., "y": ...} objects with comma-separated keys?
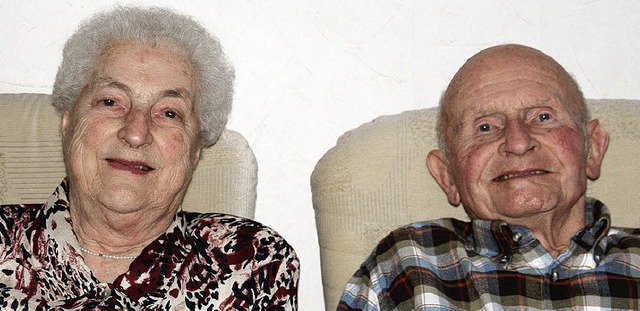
[{"x": 202, "y": 262}]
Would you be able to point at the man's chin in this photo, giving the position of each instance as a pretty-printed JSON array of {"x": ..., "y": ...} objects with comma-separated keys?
[{"x": 523, "y": 204}]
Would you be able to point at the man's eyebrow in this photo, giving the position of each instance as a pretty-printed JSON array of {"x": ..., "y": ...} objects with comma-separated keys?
[{"x": 544, "y": 101}]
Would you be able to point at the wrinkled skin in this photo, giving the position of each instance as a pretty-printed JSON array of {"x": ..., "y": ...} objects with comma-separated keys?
[
  {"x": 516, "y": 144},
  {"x": 131, "y": 143}
]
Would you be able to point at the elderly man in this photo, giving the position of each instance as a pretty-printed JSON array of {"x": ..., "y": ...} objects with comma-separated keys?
[
  {"x": 140, "y": 92},
  {"x": 516, "y": 149}
]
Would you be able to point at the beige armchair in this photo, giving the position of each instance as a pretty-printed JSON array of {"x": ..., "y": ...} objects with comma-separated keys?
[
  {"x": 375, "y": 179},
  {"x": 31, "y": 164}
]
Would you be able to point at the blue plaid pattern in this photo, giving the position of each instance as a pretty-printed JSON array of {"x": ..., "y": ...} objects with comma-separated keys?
[{"x": 449, "y": 264}]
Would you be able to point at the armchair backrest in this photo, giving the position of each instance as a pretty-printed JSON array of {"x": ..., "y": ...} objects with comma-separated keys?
[
  {"x": 31, "y": 164},
  {"x": 375, "y": 179}
]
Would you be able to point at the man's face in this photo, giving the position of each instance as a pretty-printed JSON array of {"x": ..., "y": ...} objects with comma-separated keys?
[
  {"x": 516, "y": 149},
  {"x": 132, "y": 139}
]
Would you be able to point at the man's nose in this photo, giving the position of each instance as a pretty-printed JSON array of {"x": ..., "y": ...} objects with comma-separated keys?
[
  {"x": 518, "y": 139},
  {"x": 136, "y": 127}
]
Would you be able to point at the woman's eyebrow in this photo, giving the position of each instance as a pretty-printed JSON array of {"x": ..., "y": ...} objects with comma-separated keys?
[{"x": 178, "y": 93}]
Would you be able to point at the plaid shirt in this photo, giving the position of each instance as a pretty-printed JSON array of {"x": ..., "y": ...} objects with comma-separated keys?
[{"x": 449, "y": 264}]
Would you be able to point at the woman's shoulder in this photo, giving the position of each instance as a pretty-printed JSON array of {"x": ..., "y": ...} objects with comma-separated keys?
[
  {"x": 19, "y": 212},
  {"x": 16, "y": 218},
  {"x": 217, "y": 221},
  {"x": 20, "y": 207},
  {"x": 226, "y": 226},
  {"x": 232, "y": 234}
]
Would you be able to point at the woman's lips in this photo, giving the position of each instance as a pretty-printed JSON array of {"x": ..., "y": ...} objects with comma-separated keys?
[{"x": 134, "y": 167}]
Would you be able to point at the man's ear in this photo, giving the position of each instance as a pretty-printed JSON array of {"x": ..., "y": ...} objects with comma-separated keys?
[
  {"x": 598, "y": 143},
  {"x": 64, "y": 123},
  {"x": 437, "y": 165},
  {"x": 197, "y": 154}
]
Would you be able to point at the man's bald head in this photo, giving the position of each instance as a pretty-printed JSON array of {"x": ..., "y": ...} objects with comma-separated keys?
[{"x": 481, "y": 68}]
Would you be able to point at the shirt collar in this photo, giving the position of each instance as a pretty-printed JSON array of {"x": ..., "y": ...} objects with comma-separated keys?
[
  {"x": 59, "y": 228},
  {"x": 495, "y": 239}
]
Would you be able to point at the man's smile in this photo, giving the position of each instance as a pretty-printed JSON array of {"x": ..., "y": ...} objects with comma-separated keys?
[{"x": 519, "y": 174}]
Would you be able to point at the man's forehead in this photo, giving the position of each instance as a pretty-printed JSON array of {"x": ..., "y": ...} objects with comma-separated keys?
[
  {"x": 503, "y": 104},
  {"x": 503, "y": 68},
  {"x": 485, "y": 78}
]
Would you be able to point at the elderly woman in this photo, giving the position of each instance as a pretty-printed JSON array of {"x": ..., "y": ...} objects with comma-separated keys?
[{"x": 140, "y": 92}]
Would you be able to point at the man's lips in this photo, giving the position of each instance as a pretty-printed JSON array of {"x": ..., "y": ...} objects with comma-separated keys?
[
  {"x": 132, "y": 166},
  {"x": 519, "y": 174}
]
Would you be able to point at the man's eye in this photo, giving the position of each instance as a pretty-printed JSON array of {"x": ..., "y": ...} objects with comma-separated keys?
[
  {"x": 484, "y": 127},
  {"x": 108, "y": 102},
  {"x": 544, "y": 117},
  {"x": 170, "y": 114}
]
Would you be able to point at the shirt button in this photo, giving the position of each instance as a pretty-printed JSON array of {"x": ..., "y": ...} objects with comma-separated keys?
[
  {"x": 505, "y": 259},
  {"x": 105, "y": 292},
  {"x": 517, "y": 237},
  {"x": 468, "y": 246},
  {"x": 597, "y": 258},
  {"x": 554, "y": 275}
]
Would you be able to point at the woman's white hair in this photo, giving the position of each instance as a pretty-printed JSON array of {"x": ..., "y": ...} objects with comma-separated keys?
[{"x": 214, "y": 73}]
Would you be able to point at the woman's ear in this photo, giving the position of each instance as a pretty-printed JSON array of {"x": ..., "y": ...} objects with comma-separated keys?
[{"x": 439, "y": 169}]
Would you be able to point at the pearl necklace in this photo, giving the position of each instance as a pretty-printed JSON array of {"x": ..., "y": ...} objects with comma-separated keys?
[{"x": 84, "y": 250}]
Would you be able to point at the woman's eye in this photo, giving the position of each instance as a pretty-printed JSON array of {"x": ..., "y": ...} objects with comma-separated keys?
[
  {"x": 544, "y": 117},
  {"x": 484, "y": 127}
]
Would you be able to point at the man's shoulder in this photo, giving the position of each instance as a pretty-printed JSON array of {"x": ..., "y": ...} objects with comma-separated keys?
[
  {"x": 424, "y": 237},
  {"x": 444, "y": 223},
  {"x": 626, "y": 236},
  {"x": 430, "y": 229}
]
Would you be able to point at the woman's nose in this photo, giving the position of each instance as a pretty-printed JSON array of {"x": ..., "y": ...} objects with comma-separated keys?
[{"x": 136, "y": 127}]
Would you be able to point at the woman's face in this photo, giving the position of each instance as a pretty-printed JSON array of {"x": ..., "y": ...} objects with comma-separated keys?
[{"x": 131, "y": 141}]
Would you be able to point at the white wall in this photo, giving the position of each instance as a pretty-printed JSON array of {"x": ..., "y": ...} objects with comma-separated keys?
[{"x": 307, "y": 71}]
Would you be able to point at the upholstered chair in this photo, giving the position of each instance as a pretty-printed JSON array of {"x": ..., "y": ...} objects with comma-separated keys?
[
  {"x": 375, "y": 179},
  {"x": 31, "y": 164}
]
